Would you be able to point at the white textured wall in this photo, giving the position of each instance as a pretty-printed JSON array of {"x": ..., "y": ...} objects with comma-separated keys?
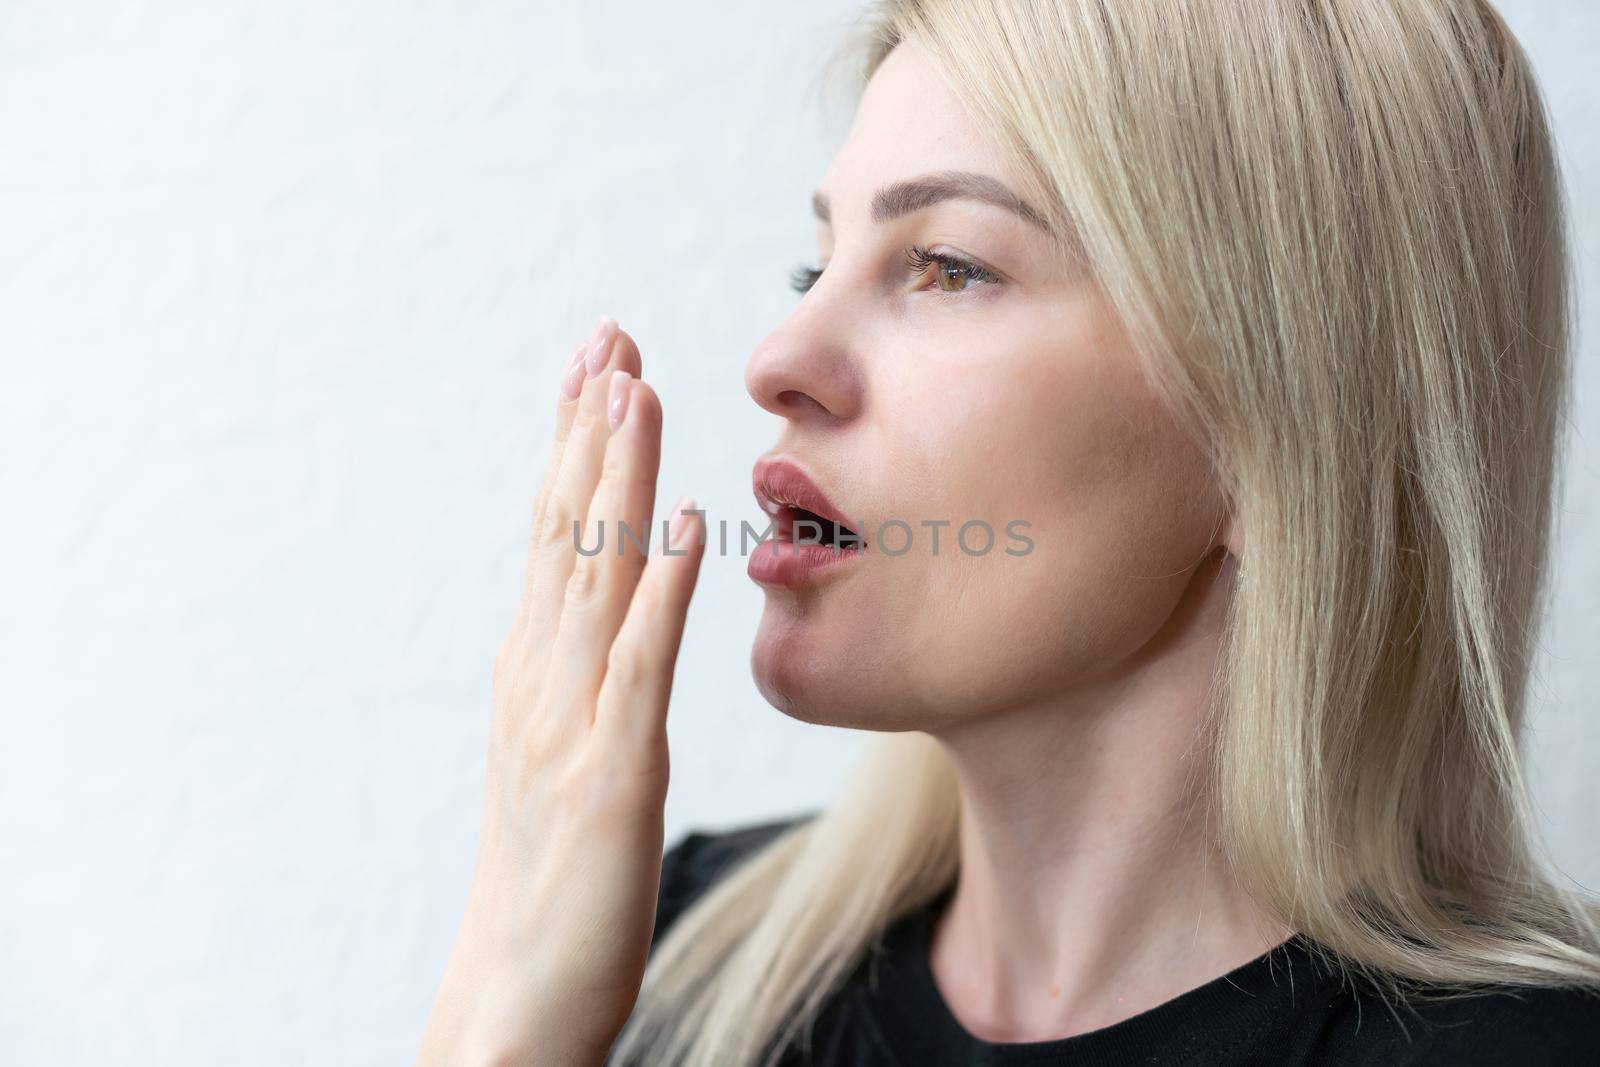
[{"x": 283, "y": 291}]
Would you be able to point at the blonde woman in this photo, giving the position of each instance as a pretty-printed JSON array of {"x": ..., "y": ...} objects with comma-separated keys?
[{"x": 1242, "y": 327}]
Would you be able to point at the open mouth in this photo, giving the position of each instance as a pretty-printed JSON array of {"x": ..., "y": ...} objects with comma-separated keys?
[
  {"x": 801, "y": 526},
  {"x": 811, "y": 536}
]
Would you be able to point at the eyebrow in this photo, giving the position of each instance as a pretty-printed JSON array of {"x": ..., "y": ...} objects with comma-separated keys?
[{"x": 914, "y": 194}]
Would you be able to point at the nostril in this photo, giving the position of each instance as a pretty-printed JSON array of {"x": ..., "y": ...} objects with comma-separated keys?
[{"x": 794, "y": 399}]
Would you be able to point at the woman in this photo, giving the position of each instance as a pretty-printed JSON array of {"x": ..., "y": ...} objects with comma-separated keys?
[{"x": 1243, "y": 329}]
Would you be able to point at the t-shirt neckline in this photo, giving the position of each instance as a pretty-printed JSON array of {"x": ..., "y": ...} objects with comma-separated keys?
[{"x": 1208, "y": 1020}]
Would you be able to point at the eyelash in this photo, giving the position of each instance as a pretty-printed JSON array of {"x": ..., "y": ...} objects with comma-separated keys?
[{"x": 918, "y": 259}]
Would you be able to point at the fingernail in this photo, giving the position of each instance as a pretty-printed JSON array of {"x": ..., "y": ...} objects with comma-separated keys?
[
  {"x": 600, "y": 344},
  {"x": 681, "y": 520},
  {"x": 617, "y": 400},
  {"x": 573, "y": 376},
  {"x": 572, "y": 384}
]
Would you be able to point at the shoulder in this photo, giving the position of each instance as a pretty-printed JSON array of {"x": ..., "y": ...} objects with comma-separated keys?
[
  {"x": 700, "y": 858},
  {"x": 1493, "y": 1026},
  {"x": 1502, "y": 1025}
]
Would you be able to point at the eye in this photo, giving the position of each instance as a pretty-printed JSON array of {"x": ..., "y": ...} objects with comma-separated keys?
[
  {"x": 802, "y": 278},
  {"x": 952, "y": 273}
]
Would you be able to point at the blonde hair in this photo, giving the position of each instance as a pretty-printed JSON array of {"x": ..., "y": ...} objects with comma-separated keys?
[{"x": 1335, "y": 231}]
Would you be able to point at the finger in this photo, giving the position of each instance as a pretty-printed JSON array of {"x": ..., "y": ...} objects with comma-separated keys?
[
  {"x": 571, "y": 379},
  {"x": 625, "y": 354},
  {"x": 570, "y": 491},
  {"x": 616, "y": 533},
  {"x": 631, "y": 711}
]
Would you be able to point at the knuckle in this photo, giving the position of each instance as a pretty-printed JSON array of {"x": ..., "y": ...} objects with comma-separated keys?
[
  {"x": 587, "y": 419},
  {"x": 568, "y": 790},
  {"x": 649, "y": 605},
  {"x": 615, "y": 463},
  {"x": 626, "y": 665},
  {"x": 592, "y": 796},
  {"x": 510, "y": 677},
  {"x": 542, "y": 750},
  {"x": 641, "y": 481},
  {"x": 556, "y": 529},
  {"x": 584, "y": 585}
]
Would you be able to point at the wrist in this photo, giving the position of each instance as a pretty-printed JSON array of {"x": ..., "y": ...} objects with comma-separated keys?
[{"x": 493, "y": 1011}]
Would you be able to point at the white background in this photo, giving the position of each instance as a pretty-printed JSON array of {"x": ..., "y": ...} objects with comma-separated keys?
[{"x": 284, "y": 289}]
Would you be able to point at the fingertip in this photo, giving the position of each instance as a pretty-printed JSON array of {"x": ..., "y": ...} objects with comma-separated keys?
[
  {"x": 625, "y": 354},
  {"x": 687, "y": 535},
  {"x": 644, "y": 407}
]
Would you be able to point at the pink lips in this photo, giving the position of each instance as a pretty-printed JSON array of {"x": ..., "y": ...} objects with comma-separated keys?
[{"x": 782, "y": 489}]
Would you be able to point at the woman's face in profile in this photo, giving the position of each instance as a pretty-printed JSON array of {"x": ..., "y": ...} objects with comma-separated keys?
[{"x": 988, "y": 389}]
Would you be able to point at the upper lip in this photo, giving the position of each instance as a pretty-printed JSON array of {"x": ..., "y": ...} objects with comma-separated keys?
[{"x": 779, "y": 481}]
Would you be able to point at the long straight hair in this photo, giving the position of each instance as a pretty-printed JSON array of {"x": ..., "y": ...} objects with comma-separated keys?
[{"x": 1335, "y": 231}]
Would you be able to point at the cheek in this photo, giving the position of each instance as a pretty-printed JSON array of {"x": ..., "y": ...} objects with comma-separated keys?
[{"x": 1119, "y": 512}]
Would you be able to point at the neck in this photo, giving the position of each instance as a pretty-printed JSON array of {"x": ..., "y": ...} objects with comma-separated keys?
[{"x": 1091, "y": 888}]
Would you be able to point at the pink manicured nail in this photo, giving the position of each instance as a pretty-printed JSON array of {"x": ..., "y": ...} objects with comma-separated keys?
[
  {"x": 600, "y": 345},
  {"x": 617, "y": 401},
  {"x": 573, "y": 376},
  {"x": 572, "y": 384},
  {"x": 680, "y": 520}
]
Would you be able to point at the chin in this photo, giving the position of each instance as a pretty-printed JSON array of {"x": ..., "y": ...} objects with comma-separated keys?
[{"x": 815, "y": 673}]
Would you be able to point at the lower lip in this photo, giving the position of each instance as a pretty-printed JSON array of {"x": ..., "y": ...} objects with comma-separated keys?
[{"x": 775, "y": 562}]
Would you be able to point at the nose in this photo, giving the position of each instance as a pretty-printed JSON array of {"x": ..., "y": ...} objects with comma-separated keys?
[{"x": 804, "y": 370}]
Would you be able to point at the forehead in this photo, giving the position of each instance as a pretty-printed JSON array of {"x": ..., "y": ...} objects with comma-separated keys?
[{"x": 908, "y": 122}]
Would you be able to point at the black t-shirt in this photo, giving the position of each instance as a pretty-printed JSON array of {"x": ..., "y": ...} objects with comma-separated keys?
[{"x": 1285, "y": 1007}]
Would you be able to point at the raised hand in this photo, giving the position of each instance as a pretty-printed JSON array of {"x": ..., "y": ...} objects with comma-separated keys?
[{"x": 551, "y": 952}]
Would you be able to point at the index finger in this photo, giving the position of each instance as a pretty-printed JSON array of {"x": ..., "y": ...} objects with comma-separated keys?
[{"x": 624, "y": 354}]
